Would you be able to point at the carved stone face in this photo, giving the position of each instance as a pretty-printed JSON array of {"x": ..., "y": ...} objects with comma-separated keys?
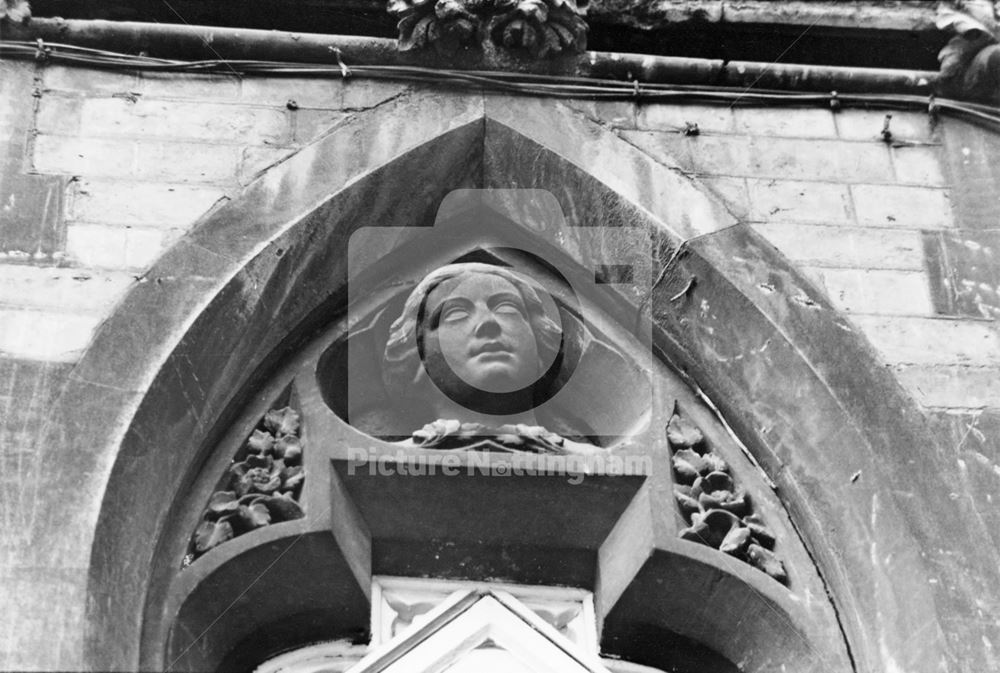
[{"x": 476, "y": 331}]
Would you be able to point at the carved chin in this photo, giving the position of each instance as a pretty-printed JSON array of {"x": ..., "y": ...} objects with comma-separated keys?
[{"x": 495, "y": 374}]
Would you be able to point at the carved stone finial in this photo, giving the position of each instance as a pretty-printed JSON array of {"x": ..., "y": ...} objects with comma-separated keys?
[
  {"x": 970, "y": 62},
  {"x": 537, "y": 28},
  {"x": 716, "y": 507}
]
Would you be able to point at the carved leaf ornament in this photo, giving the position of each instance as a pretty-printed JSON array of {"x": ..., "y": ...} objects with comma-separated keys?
[
  {"x": 261, "y": 489},
  {"x": 718, "y": 511},
  {"x": 16, "y": 11},
  {"x": 538, "y": 28},
  {"x": 970, "y": 62}
]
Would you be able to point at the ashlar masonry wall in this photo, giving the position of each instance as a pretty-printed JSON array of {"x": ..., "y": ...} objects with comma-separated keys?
[{"x": 101, "y": 171}]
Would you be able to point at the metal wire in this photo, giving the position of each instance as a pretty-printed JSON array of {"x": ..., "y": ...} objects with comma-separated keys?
[{"x": 508, "y": 82}]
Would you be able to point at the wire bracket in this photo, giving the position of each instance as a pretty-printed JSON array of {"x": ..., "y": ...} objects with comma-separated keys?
[
  {"x": 345, "y": 72},
  {"x": 41, "y": 51}
]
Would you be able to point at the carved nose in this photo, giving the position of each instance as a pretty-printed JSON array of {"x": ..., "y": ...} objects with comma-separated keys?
[{"x": 488, "y": 327}]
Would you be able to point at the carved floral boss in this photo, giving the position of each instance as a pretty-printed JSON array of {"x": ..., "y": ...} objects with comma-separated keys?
[{"x": 537, "y": 28}]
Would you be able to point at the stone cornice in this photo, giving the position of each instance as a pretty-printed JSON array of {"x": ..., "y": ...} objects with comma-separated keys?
[{"x": 865, "y": 33}]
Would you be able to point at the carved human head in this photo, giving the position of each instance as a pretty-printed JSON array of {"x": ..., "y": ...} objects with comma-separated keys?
[{"x": 477, "y": 331}]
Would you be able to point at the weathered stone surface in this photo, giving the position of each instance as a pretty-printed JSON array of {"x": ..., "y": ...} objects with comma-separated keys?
[
  {"x": 963, "y": 569},
  {"x": 139, "y": 203},
  {"x": 147, "y": 117},
  {"x": 791, "y": 123},
  {"x": 824, "y": 467},
  {"x": 847, "y": 247},
  {"x": 794, "y": 201},
  {"x": 30, "y": 205},
  {"x": 956, "y": 386},
  {"x": 884, "y": 292},
  {"x": 908, "y": 207},
  {"x": 854, "y": 124},
  {"x": 61, "y": 289}
]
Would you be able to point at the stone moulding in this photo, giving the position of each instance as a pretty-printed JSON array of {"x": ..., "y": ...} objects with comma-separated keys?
[
  {"x": 532, "y": 28},
  {"x": 262, "y": 485},
  {"x": 716, "y": 508}
]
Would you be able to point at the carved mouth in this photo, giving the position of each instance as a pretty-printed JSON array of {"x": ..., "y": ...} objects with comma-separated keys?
[{"x": 492, "y": 348}]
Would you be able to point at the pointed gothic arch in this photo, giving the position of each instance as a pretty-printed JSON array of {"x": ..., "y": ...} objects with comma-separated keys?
[{"x": 262, "y": 272}]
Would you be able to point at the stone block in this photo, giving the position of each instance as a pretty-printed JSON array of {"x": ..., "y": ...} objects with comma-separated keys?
[
  {"x": 908, "y": 207},
  {"x": 868, "y": 124},
  {"x": 32, "y": 215},
  {"x": 964, "y": 272},
  {"x": 187, "y": 162},
  {"x": 972, "y": 154},
  {"x": 187, "y": 85},
  {"x": 719, "y": 155},
  {"x": 143, "y": 246},
  {"x": 667, "y": 147},
  {"x": 839, "y": 246},
  {"x": 732, "y": 192},
  {"x": 614, "y": 114},
  {"x": 84, "y": 156},
  {"x": 95, "y": 245},
  {"x": 151, "y": 118},
  {"x": 662, "y": 117},
  {"x": 860, "y": 162},
  {"x": 952, "y": 387},
  {"x": 820, "y": 160},
  {"x": 87, "y": 80},
  {"x": 312, "y": 123},
  {"x": 62, "y": 289},
  {"x": 786, "y": 122},
  {"x": 255, "y": 160},
  {"x": 59, "y": 114},
  {"x": 783, "y": 200},
  {"x": 45, "y": 335},
  {"x": 306, "y": 92},
  {"x": 139, "y": 203},
  {"x": 880, "y": 292},
  {"x": 926, "y": 341},
  {"x": 362, "y": 94},
  {"x": 16, "y": 101},
  {"x": 42, "y": 638},
  {"x": 919, "y": 164}
]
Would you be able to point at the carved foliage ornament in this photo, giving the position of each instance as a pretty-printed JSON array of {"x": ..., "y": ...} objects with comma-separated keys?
[
  {"x": 537, "y": 28},
  {"x": 451, "y": 434},
  {"x": 717, "y": 509},
  {"x": 261, "y": 489},
  {"x": 17, "y": 11},
  {"x": 970, "y": 62}
]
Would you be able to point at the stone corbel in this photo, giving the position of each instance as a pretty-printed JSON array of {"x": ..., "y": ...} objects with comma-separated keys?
[
  {"x": 530, "y": 28},
  {"x": 970, "y": 62}
]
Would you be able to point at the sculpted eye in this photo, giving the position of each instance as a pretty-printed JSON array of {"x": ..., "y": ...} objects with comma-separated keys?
[
  {"x": 454, "y": 314},
  {"x": 508, "y": 306}
]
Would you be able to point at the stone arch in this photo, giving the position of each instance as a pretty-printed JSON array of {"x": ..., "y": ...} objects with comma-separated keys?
[{"x": 730, "y": 312}]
